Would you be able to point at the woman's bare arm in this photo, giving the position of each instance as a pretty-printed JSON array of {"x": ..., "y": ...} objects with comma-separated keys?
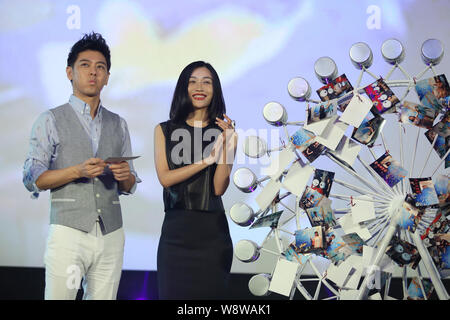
[
  {"x": 225, "y": 164},
  {"x": 168, "y": 177}
]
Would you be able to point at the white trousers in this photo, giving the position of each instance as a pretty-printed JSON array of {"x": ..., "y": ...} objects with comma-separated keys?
[{"x": 72, "y": 255}]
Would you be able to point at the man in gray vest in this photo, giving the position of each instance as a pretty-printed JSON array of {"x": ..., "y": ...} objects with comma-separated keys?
[{"x": 68, "y": 146}]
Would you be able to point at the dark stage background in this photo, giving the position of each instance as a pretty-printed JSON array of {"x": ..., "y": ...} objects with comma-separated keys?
[{"x": 19, "y": 283}]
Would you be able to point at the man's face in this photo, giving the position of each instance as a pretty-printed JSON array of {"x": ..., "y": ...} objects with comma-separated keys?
[{"x": 89, "y": 74}]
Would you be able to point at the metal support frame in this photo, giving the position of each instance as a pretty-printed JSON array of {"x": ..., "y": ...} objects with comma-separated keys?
[{"x": 387, "y": 202}]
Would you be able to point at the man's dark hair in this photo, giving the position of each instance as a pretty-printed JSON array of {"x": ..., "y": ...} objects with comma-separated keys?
[
  {"x": 92, "y": 41},
  {"x": 181, "y": 103}
]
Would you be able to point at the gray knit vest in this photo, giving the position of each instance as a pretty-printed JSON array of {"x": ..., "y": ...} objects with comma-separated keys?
[{"x": 79, "y": 203}]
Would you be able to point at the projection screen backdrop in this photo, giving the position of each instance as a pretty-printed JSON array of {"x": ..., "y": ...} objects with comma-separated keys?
[{"x": 256, "y": 47}]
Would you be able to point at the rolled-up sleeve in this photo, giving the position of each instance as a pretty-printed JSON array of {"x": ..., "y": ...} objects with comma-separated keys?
[
  {"x": 127, "y": 152},
  {"x": 41, "y": 152}
]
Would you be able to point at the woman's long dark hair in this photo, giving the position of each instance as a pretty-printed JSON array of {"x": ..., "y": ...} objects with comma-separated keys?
[{"x": 181, "y": 103}]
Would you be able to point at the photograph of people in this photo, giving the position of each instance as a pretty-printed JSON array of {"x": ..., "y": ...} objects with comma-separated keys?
[
  {"x": 417, "y": 115},
  {"x": 313, "y": 151},
  {"x": 316, "y": 241},
  {"x": 424, "y": 192},
  {"x": 403, "y": 253},
  {"x": 68, "y": 148},
  {"x": 195, "y": 250},
  {"x": 353, "y": 242},
  {"x": 321, "y": 111},
  {"x": 442, "y": 128},
  {"x": 389, "y": 169},
  {"x": 310, "y": 198},
  {"x": 440, "y": 87},
  {"x": 409, "y": 215},
  {"x": 309, "y": 240},
  {"x": 415, "y": 289},
  {"x": 426, "y": 90},
  {"x": 315, "y": 215},
  {"x": 302, "y": 139},
  {"x": 368, "y": 132},
  {"x": 442, "y": 187},
  {"x": 384, "y": 100},
  {"x": 326, "y": 92},
  {"x": 342, "y": 85},
  {"x": 441, "y": 145},
  {"x": 435, "y": 86},
  {"x": 322, "y": 181}
]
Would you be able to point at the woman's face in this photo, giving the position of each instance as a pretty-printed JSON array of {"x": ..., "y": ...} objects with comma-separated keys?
[{"x": 200, "y": 88}]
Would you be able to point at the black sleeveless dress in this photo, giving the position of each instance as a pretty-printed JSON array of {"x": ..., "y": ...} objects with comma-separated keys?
[{"x": 195, "y": 251}]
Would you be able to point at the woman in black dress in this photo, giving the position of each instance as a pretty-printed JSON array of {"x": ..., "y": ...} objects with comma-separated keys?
[{"x": 194, "y": 151}]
